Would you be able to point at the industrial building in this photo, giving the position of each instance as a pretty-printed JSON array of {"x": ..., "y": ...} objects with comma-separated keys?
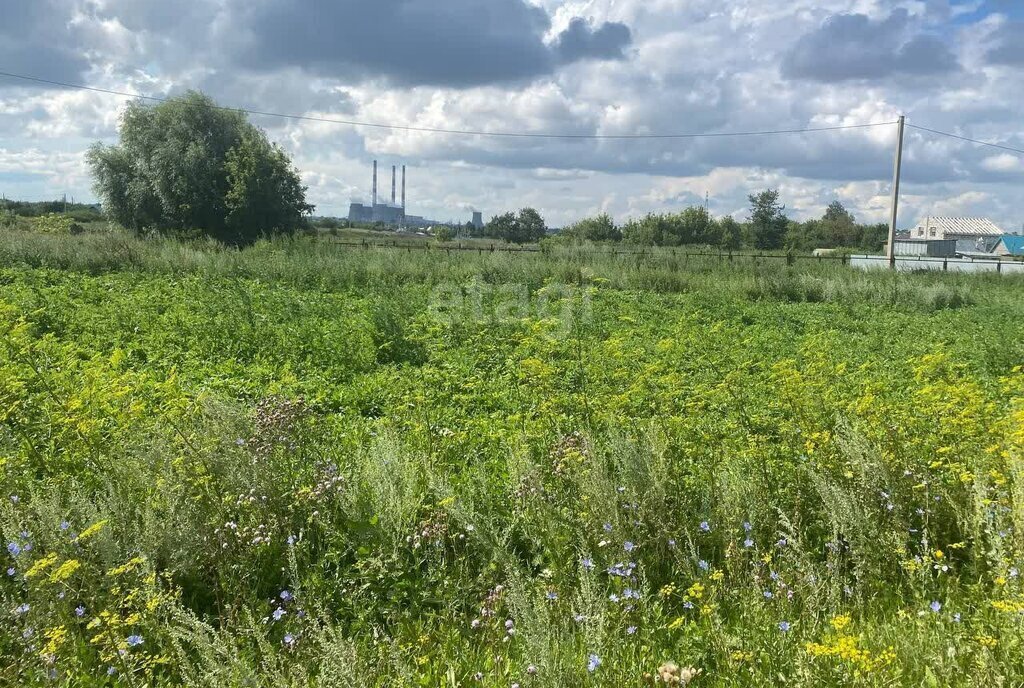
[
  {"x": 972, "y": 234},
  {"x": 393, "y": 213}
]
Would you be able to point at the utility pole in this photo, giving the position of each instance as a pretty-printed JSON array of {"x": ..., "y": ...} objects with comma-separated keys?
[{"x": 896, "y": 193}]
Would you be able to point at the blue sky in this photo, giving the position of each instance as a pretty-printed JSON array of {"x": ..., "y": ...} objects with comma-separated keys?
[{"x": 574, "y": 66}]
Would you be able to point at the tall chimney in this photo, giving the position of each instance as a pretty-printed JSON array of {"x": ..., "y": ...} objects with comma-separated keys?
[
  {"x": 392, "y": 185},
  {"x": 374, "y": 184},
  {"x": 403, "y": 189}
]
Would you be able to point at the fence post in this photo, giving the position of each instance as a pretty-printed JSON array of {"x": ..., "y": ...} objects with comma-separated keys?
[{"x": 945, "y": 264}]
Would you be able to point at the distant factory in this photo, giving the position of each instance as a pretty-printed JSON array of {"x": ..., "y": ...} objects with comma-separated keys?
[{"x": 393, "y": 213}]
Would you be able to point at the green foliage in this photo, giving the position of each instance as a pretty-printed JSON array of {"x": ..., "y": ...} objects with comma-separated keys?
[
  {"x": 600, "y": 228},
  {"x": 767, "y": 222},
  {"x": 53, "y": 223},
  {"x": 525, "y": 228},
  {"x": 444, "y": 233},
  {"x": 187, "y": 164},
  {"x": 7, "y": 218},
  {"x": 285, "y": 466}
]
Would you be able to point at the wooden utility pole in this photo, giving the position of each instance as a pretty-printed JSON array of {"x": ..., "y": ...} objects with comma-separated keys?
[{"x": 896, "y": 193}]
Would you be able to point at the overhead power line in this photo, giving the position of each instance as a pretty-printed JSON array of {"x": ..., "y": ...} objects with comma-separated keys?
[
  {"x": 460, "y": 132},
  {"x": 964, "y": 138}
]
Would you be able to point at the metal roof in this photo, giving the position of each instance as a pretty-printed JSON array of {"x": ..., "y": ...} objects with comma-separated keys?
[
  {"x": 969, "y": 226},
  {"x": 1014, "y": 244}
]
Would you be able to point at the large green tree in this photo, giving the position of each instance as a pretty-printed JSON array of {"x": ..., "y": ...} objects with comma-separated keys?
[{"x": 186, "y": 164}]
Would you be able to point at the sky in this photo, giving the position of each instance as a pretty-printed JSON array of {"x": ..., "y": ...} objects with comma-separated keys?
[{"x": 579, "y": 67}]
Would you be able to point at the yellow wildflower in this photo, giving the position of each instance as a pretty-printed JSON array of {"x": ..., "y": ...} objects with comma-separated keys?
[
  {"x": 92, "y": 530},
  {"x": 41, "y": 565},
  {"x": 65, "y": 570},
  {"x": 841, "y": 622}
]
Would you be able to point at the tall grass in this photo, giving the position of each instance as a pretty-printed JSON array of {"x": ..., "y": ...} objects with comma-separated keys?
[{"x": 278, "y": 467}]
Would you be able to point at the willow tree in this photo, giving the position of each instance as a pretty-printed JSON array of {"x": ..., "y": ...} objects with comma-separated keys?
[{"x": 188, "y": 165}]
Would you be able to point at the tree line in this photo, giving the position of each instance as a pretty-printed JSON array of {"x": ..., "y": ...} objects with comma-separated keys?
[{"x": 767, "y": 228}]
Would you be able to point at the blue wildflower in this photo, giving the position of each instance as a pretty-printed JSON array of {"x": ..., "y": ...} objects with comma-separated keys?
[
  {"x": 705, "y": 526},
  {"x": 14, "y": 548},
  {"x": 289, "y": 639},
  {"x": 936, "y": 606},
  {"x": 631, "y": 630},
  {"x": 552, "y": 595},
  {"x": 704, "y": 566},
  {"x": 587, "y": 563},
  {"x": 278, "y": 613},
  {"x": 134, "y": 640},
  {"x": 593, "y": 661},
  {"x": 10, "y": 571},
  {"x": 628, "y": 546},
  {"x": 111, "y": 671},
  {"x": 607, "y": 527},
  {"x": 768, "y": 594},
  {"x": 748, "y": 543},
  {"x": 79, "y": 611},
  {"x": 285, "y": 595},
  {"x": 22, "y": 608},
  {"x": 784, "y": 626},
  {"x": 746, "y": 526}
]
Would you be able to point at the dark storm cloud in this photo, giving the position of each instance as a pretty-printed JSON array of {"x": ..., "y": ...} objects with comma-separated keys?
[
  {"x": 35, "y": 39},
  {"x": 457, "y": 43},
  {"x": 580, "y": 41},
  {"x": 852, "y": 46},
  {"x": 1009, "y": 45}
]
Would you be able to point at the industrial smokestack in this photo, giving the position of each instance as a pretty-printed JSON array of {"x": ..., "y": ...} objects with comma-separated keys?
[
  {"x": 374, "y": 183},
  {"x": 403, "y": 189},
  {"x": 392, "y": 185}
]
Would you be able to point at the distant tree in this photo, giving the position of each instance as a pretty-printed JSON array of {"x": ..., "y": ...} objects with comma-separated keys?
[
  {"x": 730, "y": 233},
  {"x": 531, "y": 227},
  {"x": 469, "y": 229},
  {"x": 186, "y": 165},
  {"x": 600, "y": 228},
  {"x": 526, "y": 227},
  {"x": 768, "y": 223},
  {"x": 444, "y": 233}
]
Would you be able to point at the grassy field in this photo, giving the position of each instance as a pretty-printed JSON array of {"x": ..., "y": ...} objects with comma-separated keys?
[{"x": 301, "y": 464}]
